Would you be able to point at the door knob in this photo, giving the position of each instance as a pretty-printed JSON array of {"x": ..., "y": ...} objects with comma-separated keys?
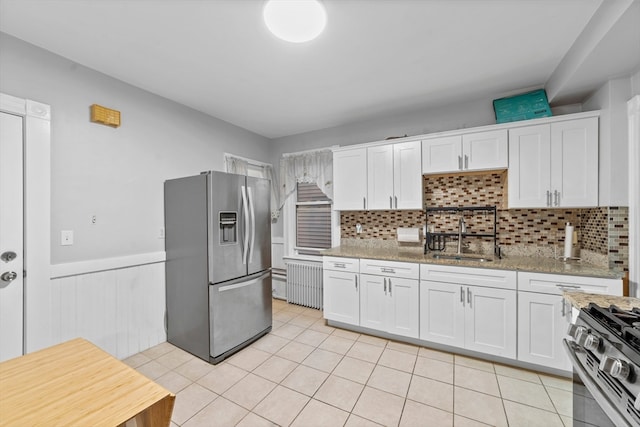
[
  {"x": 8, "y": 256},
  {"x": 8, "y": 276}
]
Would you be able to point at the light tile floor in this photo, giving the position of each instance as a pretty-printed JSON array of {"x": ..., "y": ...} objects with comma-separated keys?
[{"x": 305, "y": 373}]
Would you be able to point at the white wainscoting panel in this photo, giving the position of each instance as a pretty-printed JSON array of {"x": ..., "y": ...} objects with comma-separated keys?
[{"x": 121, "y": 310}]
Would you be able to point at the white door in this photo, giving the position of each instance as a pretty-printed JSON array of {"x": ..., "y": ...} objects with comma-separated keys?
[
  {"x": 350, "y": 180},
  {"x": 403, "y": 306},
  {"x": 341, "y": 300},
  {"x": 442, "y": 313},
  {"x": 373, "y": 302},
  {"x": 542, "y": 324},
  {"x": 485, "y": 150},
  {"x": 407, "y": 175},
  {"x": 529, "y": 167},
  {"x": 11, "y": 236},
  {"x": 574, "y": 163},
  {"x": 380, "y": 177},
  {"x": 442, "y": 154},
  {"x": 490, "y": 321}
]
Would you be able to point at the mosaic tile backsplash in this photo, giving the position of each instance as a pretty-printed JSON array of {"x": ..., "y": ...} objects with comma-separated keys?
[{"x": 601, "y": 230}]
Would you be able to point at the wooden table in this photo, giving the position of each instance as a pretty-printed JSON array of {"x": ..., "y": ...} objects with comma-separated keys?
[{"x": 77, "y": 384}]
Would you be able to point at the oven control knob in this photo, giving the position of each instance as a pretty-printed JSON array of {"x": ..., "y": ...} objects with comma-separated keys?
[
  {"x": 575, "y": 331},
  {"x": 591, "y": 342},
  {"x": 615, "y": 367}
]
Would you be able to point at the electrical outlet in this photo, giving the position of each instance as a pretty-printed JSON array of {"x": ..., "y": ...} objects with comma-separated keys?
[{"x": 66, "y": 237}]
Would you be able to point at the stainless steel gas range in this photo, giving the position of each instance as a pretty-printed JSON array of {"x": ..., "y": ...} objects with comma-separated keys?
[{"x": 604, "y": 348}]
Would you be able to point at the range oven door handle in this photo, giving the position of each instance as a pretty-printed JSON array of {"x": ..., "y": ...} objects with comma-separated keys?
[{"x": 597, "y": 393}]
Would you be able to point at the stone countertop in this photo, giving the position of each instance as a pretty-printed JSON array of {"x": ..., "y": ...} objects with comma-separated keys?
[
  {"x": 581, "y": 300},
  {"x": 529, "y": 264}
]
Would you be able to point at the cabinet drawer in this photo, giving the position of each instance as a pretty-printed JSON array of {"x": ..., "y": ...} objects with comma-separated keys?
[
  {"x": 341, "y": 264},
  {"x": 556, "y": 283},
  {"x": 406, "y": 270},
  {"x": 505, "y": 279}
]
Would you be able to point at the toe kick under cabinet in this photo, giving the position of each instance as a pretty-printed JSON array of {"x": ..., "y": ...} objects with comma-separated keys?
[{"x": 471, "y": 308}]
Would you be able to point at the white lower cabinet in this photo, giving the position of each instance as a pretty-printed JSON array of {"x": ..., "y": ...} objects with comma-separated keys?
[
  {"x": 542, "y": 324},
  {"x": 389, "y": 304},
  {"x": 341, "y": 296},
  {"x": 455, "y": 310},
  {"x": 389, "y": 297},
  {"x": 543, "y": 315},
  {"x": 473, "y": 317}
]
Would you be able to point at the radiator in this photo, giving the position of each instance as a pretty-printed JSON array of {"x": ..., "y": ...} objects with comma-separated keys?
[{"x": 304, "y": 283}]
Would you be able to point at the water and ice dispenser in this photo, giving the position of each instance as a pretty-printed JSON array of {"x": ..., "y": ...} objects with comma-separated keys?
[{"x": 228, "y": 222}]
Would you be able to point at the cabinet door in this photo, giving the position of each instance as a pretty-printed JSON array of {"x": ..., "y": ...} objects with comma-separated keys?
[
  {"x": 529, "y": 167},
  {"x": 574, "y": 163},
  {"x": 542, "y": 323},
  {"x": 442, "y": 154},
  {"x": 350, "y": 179},
  {"x": 490, "y": 321},
  {"x": 380, "y": 177},
  {"x": 485, "y": 150},
  {"x": 341, "y": 296},
  {"x": 373, "y": 302},
  {"x": 402, "y": 309},
  {"x": 407, "y": 175},
  {"x": 442, "y": 313}
]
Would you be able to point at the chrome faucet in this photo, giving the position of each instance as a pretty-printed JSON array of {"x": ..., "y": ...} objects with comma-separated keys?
[{"x": 462, "y": 228}]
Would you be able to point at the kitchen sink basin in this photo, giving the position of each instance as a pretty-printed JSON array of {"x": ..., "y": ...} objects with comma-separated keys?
[{"x": 462, "y": 258}]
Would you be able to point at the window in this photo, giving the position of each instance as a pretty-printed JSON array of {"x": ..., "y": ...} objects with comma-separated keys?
[{"x": 313, "y": 219}]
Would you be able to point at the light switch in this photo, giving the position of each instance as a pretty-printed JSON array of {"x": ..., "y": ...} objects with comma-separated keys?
[{"x": 66, "y": 237}]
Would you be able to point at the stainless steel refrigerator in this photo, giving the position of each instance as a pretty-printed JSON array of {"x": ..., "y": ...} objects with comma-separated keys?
[{"x": 218, "y": 269}]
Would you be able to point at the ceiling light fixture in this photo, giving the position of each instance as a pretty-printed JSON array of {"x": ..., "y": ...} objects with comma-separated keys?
[{"x": 296, "y": 21}]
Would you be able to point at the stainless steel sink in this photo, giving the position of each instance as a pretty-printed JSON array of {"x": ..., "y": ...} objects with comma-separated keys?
[{"x": 462, "y": 258}]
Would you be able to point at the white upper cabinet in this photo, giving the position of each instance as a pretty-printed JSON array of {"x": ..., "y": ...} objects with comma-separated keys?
[
  {"x": 350, "y": 179},
  {"x": 466, "y": 152},
  {"x": 378, "y": 177},
  {"x": 554, "y": 165},
  {"x": 407, "y": 175},
  {"x": 442, "y": 154},
  {"x": 485, "y": 150}
]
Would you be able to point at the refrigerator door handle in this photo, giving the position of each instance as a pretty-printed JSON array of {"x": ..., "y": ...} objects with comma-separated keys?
[
  {"x": 245, "y": 211},
  {"x": 252, "y": 215}
]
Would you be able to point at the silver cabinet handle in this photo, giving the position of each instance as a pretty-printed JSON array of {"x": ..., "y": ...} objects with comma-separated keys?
[
  {"x": 364, "y": 203},
  {"x": 466, "y": 161},
  {"x": 390, "y": 202},
  {"x": 562, "y": 286},
  {"x": 469, "y": 297},
  {"x": 563, "y": 308},
  {"x": 385, "y": 286},
  {"x": 387, "y": 270},
  {"x": 556, "y": 195},
  {"x": 389, "y": 287},
  {"x": 462, "y": 295},
  {"x": 356, "y": 277},
  {"x": 548, "y": 198},
  {"x": 396, "y": 197},
  {"x": 460, "y": 162},
  {"x": 339, "y": 265},
  {"x": 8, "y": 256}
]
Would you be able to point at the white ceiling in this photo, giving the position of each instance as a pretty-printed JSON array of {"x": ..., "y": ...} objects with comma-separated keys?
[{"x": 375, "y": 57}]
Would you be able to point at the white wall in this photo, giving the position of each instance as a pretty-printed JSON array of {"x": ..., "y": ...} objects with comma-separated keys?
[
  {"x": 109, "y": 286},
  {"x": 115, "y": 174},
  {"x": 612, "y": 99}
]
